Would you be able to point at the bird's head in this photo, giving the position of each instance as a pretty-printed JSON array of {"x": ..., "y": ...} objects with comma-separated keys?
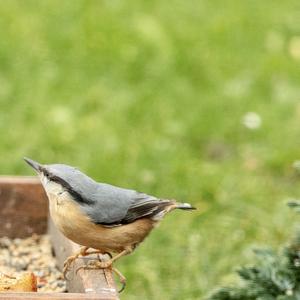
[
  {"x": 59, "y": 178},
  {"x": 51, "y": 176}
]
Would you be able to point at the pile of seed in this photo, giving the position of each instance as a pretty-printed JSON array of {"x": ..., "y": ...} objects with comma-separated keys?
[{"x": 32, "y": 254}]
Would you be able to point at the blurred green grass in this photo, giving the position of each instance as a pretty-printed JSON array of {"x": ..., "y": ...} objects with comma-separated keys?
[{"x": 151, "y": 95}]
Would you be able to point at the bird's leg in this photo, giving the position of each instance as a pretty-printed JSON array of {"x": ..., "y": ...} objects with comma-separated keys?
[
  {"x": 70, "y": 259},
  {"x": 121, "y": 278},
  {"x": 108, "y": 263}
]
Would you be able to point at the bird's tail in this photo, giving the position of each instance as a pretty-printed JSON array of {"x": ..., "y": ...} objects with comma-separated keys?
[{"x": 185, "y": 206}]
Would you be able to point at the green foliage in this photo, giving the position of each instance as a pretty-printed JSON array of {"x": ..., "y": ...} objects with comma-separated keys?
[
  {"x": 295, "y": 204},
  {"x": 276, "y": 276}
]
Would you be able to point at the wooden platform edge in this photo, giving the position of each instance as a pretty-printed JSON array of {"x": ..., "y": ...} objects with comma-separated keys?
[
  {"x": 24, "y": 206},
  {"x": 55, "y": 296}
]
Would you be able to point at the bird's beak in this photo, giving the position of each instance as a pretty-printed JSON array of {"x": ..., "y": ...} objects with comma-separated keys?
[{"x": 35, "y": 165}]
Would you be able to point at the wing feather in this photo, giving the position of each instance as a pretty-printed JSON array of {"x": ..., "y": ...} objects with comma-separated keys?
[{"x": 146, "y": 206}]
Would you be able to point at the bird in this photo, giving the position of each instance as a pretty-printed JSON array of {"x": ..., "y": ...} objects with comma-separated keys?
[{"x": 99, "y": 216}]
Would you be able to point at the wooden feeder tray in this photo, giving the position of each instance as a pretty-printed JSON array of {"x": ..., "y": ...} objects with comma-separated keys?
[{"x": 24, "y": 211}]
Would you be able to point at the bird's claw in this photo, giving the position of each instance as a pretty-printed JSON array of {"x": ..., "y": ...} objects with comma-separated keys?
[
  {"x": 123, "y": 286},
  {"x": 65, "y": 271},
  {"x": 67, "y": 265},
  {"x": 103, "y": 264},
  {"x": 93, "y": 265},
  {"x": 121, "y": 278}
]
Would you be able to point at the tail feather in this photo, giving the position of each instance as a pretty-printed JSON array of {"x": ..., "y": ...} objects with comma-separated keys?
[{"x": 185, "y": 206}]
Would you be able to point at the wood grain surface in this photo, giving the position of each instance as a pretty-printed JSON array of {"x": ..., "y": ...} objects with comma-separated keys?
[{"x": 24, "y": 207}]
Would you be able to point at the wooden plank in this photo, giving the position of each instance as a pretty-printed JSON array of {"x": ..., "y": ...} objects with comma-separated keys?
[
  {"x": 84, "y": 281},
  {"x": 24, "y": 207},
  {"x": 54, "y": 296}
]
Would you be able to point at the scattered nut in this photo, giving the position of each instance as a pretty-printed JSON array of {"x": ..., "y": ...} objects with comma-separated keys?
[{"x": 32, "y": 254}]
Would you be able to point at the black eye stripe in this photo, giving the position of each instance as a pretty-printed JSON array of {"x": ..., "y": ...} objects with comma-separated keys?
[
  {"x": 77, "y": 196},
  {"x": 45, "y": 172}
]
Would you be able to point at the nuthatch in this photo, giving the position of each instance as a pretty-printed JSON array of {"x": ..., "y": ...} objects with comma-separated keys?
[{"x": 96, "y": 215}]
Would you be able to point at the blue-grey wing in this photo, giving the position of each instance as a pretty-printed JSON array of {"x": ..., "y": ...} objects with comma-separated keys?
[{"x": 117, "y": 206}]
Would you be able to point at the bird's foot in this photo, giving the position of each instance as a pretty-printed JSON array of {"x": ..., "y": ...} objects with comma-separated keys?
[
  {"x": 96, "y": 264},
  {"x": 69, "y": 261},
  {"x": 91, "y": 264}
]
